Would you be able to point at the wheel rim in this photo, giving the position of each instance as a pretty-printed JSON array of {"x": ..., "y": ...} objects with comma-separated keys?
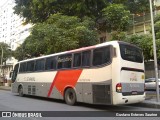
[
  {"x": 70, "y": 96},
  {"x": 21, "y": 91}
]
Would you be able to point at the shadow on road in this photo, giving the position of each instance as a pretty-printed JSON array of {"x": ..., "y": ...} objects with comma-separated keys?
[{"x": 93, "y": 106}]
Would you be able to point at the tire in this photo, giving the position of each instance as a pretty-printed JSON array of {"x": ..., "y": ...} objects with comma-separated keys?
[
  {"x": 70, "y": 96},
  {"x": 20, "y": 91}
]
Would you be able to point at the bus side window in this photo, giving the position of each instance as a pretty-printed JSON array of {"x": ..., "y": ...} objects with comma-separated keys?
[
  {"x": 86, "y": 58},
  {"x": 22, "y": 67},
  {"x": 30, "y": 66},
  {"x": 15, "y": 71},
  {"x": 77, "y": 60},
  {"x": 39, "y": 65},
  {"x": 51, "y": 63},
  {"x": 101, "y": 56},
  {"x": 64, "y": 61}
]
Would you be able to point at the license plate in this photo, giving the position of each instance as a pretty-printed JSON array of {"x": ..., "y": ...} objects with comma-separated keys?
[{"x": 134, "y": 93}]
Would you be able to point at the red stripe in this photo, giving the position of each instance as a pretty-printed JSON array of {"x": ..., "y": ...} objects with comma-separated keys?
[
  {"x": 63, "y": 79},
  {"x": 52, "y": 85}
]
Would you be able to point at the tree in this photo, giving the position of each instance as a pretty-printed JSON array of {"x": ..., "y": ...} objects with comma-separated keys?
[
  {"x": 146, "y": 44},
  {"x": 115, "y": 20},
  {"x": 157, "y": 33},
  {"x": 157, "y": 26},
  {"x": 138, "y": 6},
  {"x": 40, "y": 10},
  {"x": 116, "y": 17},
  {"x": 59, "y": 33},
  {"x": 6, "y": 51},
  {"x": 116, "y": 35}
]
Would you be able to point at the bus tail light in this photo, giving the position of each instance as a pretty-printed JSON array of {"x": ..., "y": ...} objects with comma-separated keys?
[{"x": 119, "y": 87}]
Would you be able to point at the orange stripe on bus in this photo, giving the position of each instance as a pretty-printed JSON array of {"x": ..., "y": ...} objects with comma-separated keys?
[{"x": 63, "y": 79}]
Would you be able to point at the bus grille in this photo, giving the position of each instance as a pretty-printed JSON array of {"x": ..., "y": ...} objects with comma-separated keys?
[
  {"x": 31, "y": 90},
  {"x": 101, "y": 94}
]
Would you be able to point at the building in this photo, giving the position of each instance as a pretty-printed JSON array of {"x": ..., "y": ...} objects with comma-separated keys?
[
  {"x": 140, "y": 23},
  {"x": 12, "y": 32}
]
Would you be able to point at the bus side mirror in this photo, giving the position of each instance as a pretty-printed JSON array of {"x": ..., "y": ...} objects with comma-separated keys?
[{"x": 10, "y": 74}]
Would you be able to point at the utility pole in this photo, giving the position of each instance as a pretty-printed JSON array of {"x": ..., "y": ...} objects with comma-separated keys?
[
  {"x": 154, "y": 50},
  {"x": 1, "y": 59}
]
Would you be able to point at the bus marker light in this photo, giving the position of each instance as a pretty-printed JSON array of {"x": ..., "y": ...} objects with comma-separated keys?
[{"x": 142, "y": 77}]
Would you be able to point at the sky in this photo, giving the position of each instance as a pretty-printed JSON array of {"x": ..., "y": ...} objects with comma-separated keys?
[{"x": 2, "y": 2}]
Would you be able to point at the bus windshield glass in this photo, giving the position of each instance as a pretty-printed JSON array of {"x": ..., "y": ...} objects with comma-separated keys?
[{"x": 131, "y": 53}]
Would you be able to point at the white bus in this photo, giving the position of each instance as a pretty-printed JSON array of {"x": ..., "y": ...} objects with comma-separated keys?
[{"x": 107, "y": 73}]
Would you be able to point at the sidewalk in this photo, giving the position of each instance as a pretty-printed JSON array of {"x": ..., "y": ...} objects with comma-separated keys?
[
  {"x": 150, "y": 101},
  {"x": 5, "y": 88}
]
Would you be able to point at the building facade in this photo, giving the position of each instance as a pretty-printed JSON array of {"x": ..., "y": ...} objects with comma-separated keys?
[
  {"x": 12, "y": 32},
  {"x": 140, "y": 23}
]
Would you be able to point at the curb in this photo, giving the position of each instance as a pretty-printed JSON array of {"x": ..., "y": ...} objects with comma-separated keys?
[
  {"x": 7, "y": 89},
  {"x": 149, "y": 105}
]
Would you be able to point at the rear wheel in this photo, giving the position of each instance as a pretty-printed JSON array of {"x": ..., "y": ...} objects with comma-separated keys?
[
  {"x": 20, "y": 91},
  {"x": 70, "y": 96}
]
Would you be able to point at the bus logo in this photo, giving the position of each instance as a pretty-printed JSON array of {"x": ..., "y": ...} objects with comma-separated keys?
[{"x": 133, "y": 77}]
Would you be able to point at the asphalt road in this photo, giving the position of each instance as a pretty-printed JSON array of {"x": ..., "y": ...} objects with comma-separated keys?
[{"x": 12, "y": 102}]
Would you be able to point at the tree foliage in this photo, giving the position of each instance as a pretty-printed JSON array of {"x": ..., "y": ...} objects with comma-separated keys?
[
  {"x": 59, "y": 33},
  {"x": 118, "y": 35},
  {"x": 55, "y": 31},
  {"x": 146, "y": 44},
  {"x": 157, "y": 33},
  {"x": 157, "y": 26},
  {"x": 40, "y": 10},
  {"x": 6, "y": 51},
  {"x": 138, "y": 6},
  {"x": 116, "y": 17}
]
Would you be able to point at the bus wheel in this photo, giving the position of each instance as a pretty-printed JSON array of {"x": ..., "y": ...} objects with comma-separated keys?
[
  {"x": 20, "y": 91},
  {"x": 70, "y": 96}
]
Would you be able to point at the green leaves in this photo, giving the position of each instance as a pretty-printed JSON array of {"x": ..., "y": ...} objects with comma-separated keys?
[
  {"x": 35, "y": 11},
  {"x": 61, "y": 25},
  {"x": 116, "y": 17},
  {"x": 59, "y": 33},
  {"x": 6, "y": 51},
  {"x": 145, "y": 42},
  {"x": 138, "y": 6}
]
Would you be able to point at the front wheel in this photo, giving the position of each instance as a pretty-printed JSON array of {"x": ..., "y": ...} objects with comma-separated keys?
[
  {"x": 20, "y": 91},
  {"x": 70, "y": 96}
]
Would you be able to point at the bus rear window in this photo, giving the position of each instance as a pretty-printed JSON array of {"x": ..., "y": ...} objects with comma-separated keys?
[{"x": 131, "y": 53}]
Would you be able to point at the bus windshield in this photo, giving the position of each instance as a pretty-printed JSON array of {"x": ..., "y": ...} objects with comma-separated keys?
[
  {"x": 131, "y": 53},
  {"x": 15, "y": 71}
]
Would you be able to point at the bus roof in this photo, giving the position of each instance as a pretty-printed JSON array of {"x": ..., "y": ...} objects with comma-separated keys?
[{"x": 72, "y": 51}]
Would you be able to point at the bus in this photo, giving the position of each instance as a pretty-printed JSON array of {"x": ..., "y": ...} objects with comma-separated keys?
[{"x": 110, "y": 73}]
